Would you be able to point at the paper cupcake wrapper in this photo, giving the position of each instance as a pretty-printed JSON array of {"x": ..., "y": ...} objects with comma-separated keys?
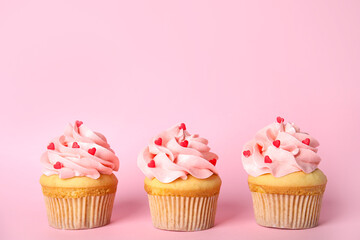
[
  {"x": 183, "y": 213},
  {"x": 287, "y": 211},
  {"x": 79, "y": 213}
]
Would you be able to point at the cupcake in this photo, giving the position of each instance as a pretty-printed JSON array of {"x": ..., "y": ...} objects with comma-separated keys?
[
  {"x": 181, "y": 180},
  {"x": 77, "y": 182},
  {"x": 285, "y": 183}
]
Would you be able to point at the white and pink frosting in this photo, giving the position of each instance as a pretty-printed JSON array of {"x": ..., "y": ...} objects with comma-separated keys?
[
  {"x": 175, "y": 153},
  {"x": 280, "y": 149},
  {"x": 79, "y": 152}
]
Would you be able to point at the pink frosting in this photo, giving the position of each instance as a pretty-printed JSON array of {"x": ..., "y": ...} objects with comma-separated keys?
[
  {"x": 171, "y": 159},
  {"x": 69, "y": 162},
  {"x": 296, "y": 151}
]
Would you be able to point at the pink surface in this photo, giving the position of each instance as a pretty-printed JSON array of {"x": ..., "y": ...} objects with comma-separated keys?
[{"x": 131, "y": 69}]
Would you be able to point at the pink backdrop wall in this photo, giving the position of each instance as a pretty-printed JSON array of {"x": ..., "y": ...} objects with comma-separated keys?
[{"x": 131, "y": 69}]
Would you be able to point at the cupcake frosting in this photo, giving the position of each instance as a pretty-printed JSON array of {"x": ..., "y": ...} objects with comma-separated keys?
[
  {"x": 280, "y": 149},
  {"x": 79, "y": 152},
  {"x": 175, "y": 153}
]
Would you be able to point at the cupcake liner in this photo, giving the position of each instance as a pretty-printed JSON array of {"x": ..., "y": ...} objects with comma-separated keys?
[
  {"x": 287, "y": 211},
  {"x": 79, "y": 213},
  {"x": 183, "y": 213}
]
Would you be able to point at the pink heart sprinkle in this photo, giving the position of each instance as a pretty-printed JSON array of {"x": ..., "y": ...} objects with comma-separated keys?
[
  {"x": 276, "y": 143},
  {"x": 279, "y": 119},
  {"x": 151, "y": 164},
  {"x": 92, "y": 151},
  {"x": 247, "y": 153},
  {"x": 75, "y": 145},
  {"x": 213, "y": 161},
  {"x": 184, "y": 143},
  {"x": 58, "y": 165},
  {"x": 182, "y": 126},
  {"x": 158, "y": 141},
  {"x": 78, "y": 123},
  {"x": 306, "y": 141},
  {"x": 267, "y": 159},
  {"x": 51, "y": 146}
]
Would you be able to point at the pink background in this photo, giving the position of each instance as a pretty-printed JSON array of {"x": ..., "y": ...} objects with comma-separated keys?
[{"x": 131, "y": 69}]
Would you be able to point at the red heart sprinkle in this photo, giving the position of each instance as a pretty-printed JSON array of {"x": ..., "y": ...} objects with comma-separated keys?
[
  {"x": 267, "y": 159},
  {"x": 182, "y": 126},
  {"x": 276, "y": 143},
  {"x": 184, "y": 143},
  {"x": 58, "y": 165},
  {"x": 51, "y": 146},
  {"x": 75, "y": 145},
  {"x": 151, "y": 164},
  {"x": 78, "y": 123},
  {"x": 279, "y": 119},
  {"x": 158, "y": 141},
  {"x": 92, "y": 151},
  {"x": 247, "y": 153},
  {"x": 213, "y": 161},
  {"x": 306, "y": 141}
]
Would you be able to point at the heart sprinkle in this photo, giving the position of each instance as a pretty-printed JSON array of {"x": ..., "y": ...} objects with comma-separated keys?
[
  {"x": 184, "y": 143},
  {"x": 267, "y": 159},
  {"x": 279, "y": 119},
  {"x": 213, "y": 161},
  {"x": 75, "y": 145},
  {"x": 51, "y": 146},
  {"x": 158, "y": 141},
  {"x": 276, "y": 143},
  {"x": 306, "y": 141},
  {"x": 92, "y": 151},
  {"x": 182, "y": 126},
  {"x": 247, "y": 153},
  {"x": 58, "y": 165},
  {"x": 78, "y": 123},
  {"x": 151, "y": 164}
]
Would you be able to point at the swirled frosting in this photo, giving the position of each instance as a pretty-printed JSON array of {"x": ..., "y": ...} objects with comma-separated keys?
[
  {"x": 175, "y": 153},
  {"x": 280, "y": 149},
  {"x": 79, "y": 152}
]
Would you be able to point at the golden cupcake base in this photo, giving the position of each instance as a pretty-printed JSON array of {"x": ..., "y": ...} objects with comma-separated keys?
[
  {"x": 78, "y": 202},
  {"x": 287, "y": 211},
  {"x": 79, "y": 213},
  {"x": 179, "y": 213},
  {"x": 292, "y": 201},
  {"x": 183, "y": 205}
]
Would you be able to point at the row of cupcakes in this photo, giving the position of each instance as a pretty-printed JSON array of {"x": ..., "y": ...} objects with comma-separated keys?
[{"x": 181, "y": 180}]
